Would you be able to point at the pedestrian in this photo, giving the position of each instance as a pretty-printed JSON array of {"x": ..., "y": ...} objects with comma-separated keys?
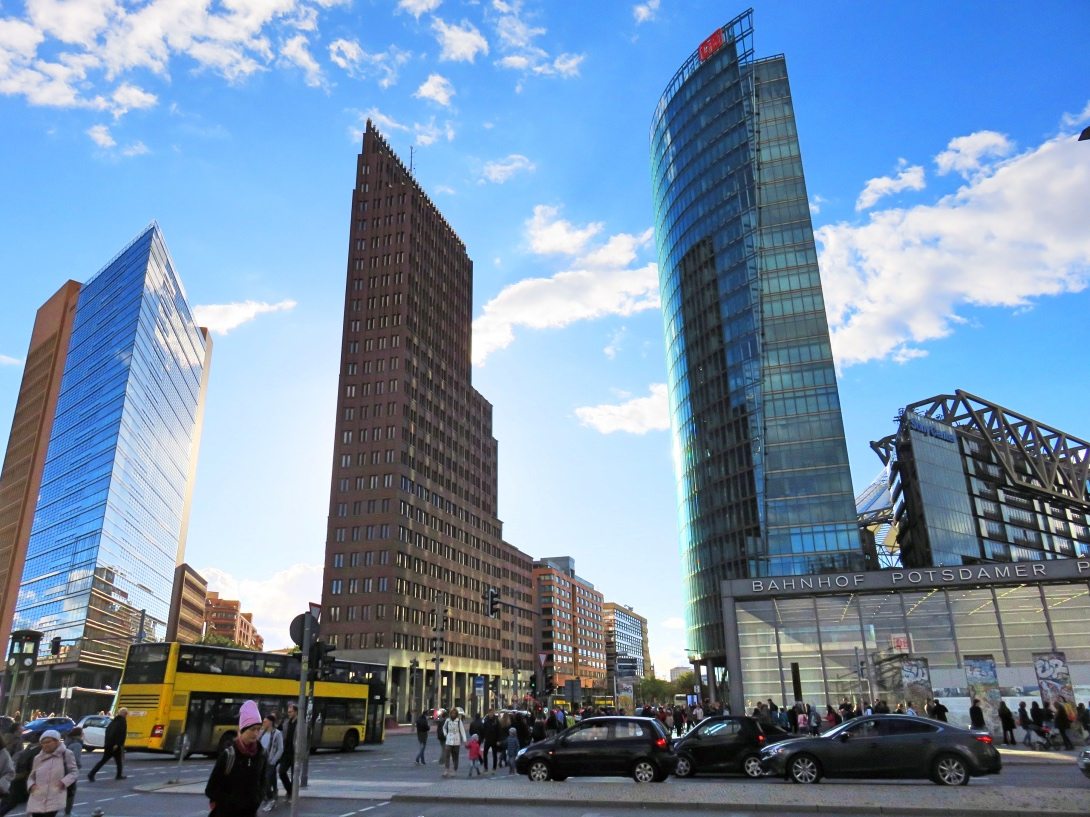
[
  {"x": 491, "y": 738},
  {"x": 52, "y": 772},
  {"x": 1063, "y": 722},
  {"x": 74, "y": 743},
  {"x": 909, "y": 709},
  {"x": 512, "y": 749},
  {"x": 23, "y": 762},
  {"x": 423, "y": 729},
  {"x": 455, "y": 737},
  {"x": 7, "y": 771},
  {"x": 939, "y": 711},
  {"x": 287, "y": 760},
  {"x": 976, "y": 716},
  {"x": 1006, "y": 720},
  {"x": 1025, "y": 722},
  {"x": 237, "y": 781},
  {"x": 272, "y": 743},
  {"x": 114, "y": 745},
  {"x": 441, "y": 736},
  {"x": 473, "y": 753},
  {"x": 815, "y": 719}
]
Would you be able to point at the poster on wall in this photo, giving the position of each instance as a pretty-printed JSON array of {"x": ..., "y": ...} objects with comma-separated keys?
[
  {"x": 983, "y": 682},
  {"x": 1054, "y": 679},
  {"x": 916, "y": 680}
]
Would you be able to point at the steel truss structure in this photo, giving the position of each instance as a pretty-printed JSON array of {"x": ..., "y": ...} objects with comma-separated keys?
[{"x": 1033, "y": 456}]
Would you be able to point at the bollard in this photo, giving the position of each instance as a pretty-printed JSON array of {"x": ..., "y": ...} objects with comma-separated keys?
[
  {"x": 98, "y": 813},
  {"x": 183, "y": 750}
]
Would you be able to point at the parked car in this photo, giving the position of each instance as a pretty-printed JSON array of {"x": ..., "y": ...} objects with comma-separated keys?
[
  {"x": 33, "y": 730},
  {"x": 1084, "y": 761},
  {"x": 94, "y": 730},
  {"x": 725, "y": 743},
  {"x": 605, "y": 746},
  {"x": 895, "y": 746}
]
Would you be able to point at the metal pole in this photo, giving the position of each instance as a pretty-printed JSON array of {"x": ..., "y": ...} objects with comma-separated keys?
[
  {"x": 304, "y": 780},
  {"x": 300, "y": 715}
]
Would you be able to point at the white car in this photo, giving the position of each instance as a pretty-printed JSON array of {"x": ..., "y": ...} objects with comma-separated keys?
[{"x": 94, "y": 730}]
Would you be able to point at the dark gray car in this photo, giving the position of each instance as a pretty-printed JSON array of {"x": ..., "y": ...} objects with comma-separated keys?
[{"x": 892, "y": 746}]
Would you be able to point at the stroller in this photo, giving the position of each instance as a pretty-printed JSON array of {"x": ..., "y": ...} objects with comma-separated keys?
[{"x": 1046, "y": 737}]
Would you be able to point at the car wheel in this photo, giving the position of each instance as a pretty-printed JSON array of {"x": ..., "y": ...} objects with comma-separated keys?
[
  {"x": 751, "y": 765},
  {"x": 539, "y": 771},
  {"x": 804, "y": 769},
  {"x": 644, "y": 771},
  {"x": 684, "y": 767},
  {"x": 351, "y": 741},
  {"x": 950, "y": 770}
]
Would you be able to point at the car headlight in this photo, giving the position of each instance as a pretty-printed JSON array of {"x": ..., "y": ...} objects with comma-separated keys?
[
  {"x": 521, "y": 751},
  {"x": 774, "y": 749}
]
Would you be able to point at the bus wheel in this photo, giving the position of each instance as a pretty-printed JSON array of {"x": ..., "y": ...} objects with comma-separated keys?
[{"x": 351, "y": 741}]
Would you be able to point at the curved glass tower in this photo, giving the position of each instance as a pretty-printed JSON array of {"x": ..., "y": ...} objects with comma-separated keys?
[{"x": 762, "y": 467}]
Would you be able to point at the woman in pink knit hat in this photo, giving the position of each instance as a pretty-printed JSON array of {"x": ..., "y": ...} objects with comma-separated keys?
[{"x": 236, "y": 784}]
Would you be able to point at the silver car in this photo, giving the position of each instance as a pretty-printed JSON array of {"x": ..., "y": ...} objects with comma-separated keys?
[{"x": 1084, "y": 761}]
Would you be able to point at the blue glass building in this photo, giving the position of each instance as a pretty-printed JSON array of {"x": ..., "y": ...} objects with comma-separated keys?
[
  {"x": 762, "y": 467},
  {"x": 110, "y": 521}
]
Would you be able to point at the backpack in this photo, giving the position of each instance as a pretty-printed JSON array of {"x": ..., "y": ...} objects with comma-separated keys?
[{"x": 228, "y": 760}]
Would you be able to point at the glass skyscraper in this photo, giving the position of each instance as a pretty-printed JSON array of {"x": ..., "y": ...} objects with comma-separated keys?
[
  {"x": 110, "y": 517},
  {"x": 762, "y": 467}
]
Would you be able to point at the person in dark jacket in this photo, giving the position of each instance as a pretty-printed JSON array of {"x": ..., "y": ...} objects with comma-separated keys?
[
  {"x": 976, "y": 716},
  {"x": 23, "y": 762},
  {"x": 1006, "y": 720},
  {"x": 1063, "y": 722},
  {"x": 237, "y": 781},
  {"x": 287, "y": 760},
  {"x": 423, "y": 729},
  {"x": 114, "y": 745}
]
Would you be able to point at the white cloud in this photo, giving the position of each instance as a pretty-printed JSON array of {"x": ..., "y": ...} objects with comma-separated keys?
[
  {"x": 517, "y": 40},
  {"x": 636, "y": 416},
  {"x": 10, "y": 361},
  {"x": 645, "y": 12},
  {"x": 359, "y": 64},
  {"x": 964, "y": 154},
  {"x": 296, "y": 51},
  {"x": 418, "y": 7},
  {"x": 500, "y": 171},
  {"x": 222, "y": 318},
  {"x": 444, "y": 189},
  {"x": 616, "y": 342},
  {"x": 549, "y": 234},
  {"x": 601, "y": 282},
  {"x": 437, "y": 88},
  {"x": 1014, "y": 233},
  {"x": 128, "y": 97},
  {"x": 429, "y": 132},
  {"x": 816, "y": 202},
  {"x": 910, "y": 178},
  {"x": 274, "y": 600},
  {"x": 100, "y": 135},
  {"x": 459, "y": 43},
  {"x": 137, "y": 148},
  {"x": 382, "y": 122}
]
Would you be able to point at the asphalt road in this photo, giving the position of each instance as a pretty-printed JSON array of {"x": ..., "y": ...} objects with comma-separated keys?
[{"x": 391, "y": 763}]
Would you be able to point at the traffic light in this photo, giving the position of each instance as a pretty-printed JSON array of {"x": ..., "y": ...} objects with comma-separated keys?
[
  {"x": 533, "y": 685},
  {"x": 436, "y": 645},
  {"x": 321, "y": 659},
  {"x": 493, "y": 599},
  {"x": 55, "y": 645}
]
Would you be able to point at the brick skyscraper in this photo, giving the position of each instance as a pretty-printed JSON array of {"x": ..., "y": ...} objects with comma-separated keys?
[{"x": 413, "y": 529}]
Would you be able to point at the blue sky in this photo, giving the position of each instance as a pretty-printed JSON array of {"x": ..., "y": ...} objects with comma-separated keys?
[{"x": 949, "y": 198}]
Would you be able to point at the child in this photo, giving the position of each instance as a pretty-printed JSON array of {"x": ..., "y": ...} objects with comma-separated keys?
[
  {"x": 512, "y": 749},
  {"x": 74, "y": 743},
  {"x": 473, "y": 749}
]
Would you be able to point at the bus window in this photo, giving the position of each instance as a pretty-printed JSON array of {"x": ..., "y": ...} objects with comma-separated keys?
[
  {"x": 147, "y": 663},
  {"x": 238, "y": 665},
  {"x": 198, "y": 660},
  {"x": 273, "y": 666},
  {"x": 334, "y": 712}
]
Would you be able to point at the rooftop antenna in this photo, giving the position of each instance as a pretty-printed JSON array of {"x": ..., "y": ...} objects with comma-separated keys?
[{"x": 412, "y": 150}]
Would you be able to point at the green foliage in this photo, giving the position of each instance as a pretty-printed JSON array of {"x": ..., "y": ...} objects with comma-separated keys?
[
  {"x": 684, "y": 684},
  {"x": 215, "y": 640},
  {"x": 653, "y": 691}
]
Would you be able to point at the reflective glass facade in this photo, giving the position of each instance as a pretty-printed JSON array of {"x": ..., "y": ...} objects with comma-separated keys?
[
  {"x": 109, "y": 525},
  {"x": 762, "y": 467},
  {"x": 852, "y": 644}
]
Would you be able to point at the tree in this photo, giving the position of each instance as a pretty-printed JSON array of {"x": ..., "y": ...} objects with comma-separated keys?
[
  {"x": 212, "y": 639},
  {"x": 652, "y": 691},
  {"x": 684, "y": 684}
]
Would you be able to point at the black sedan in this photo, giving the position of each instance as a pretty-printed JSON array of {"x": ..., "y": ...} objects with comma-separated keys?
[
  {"x": 608, "y": 746},
  {"x": 892, "y": 746},
  {"x": 725, "y": 743}
]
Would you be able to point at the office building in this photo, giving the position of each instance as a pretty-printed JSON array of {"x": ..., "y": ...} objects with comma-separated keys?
[
  {"x": 628, "y": 648},
  {"x": 110, "y": 506},
  {"x": 187, "y": 606},
  {"x": 990, "y": 599},
  {"x": 572, "y": 640},
  {"x": 761, "y": 462},
  {"x": 224, "y": 618},
  {"x": 413, "y": 535}
]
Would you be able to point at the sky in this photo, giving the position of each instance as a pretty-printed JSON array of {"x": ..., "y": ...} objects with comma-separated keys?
[{"x": 948, "y": 193}]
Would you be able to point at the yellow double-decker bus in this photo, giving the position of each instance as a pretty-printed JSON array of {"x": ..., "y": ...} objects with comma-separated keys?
[{"x": 173, "y": 689}]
